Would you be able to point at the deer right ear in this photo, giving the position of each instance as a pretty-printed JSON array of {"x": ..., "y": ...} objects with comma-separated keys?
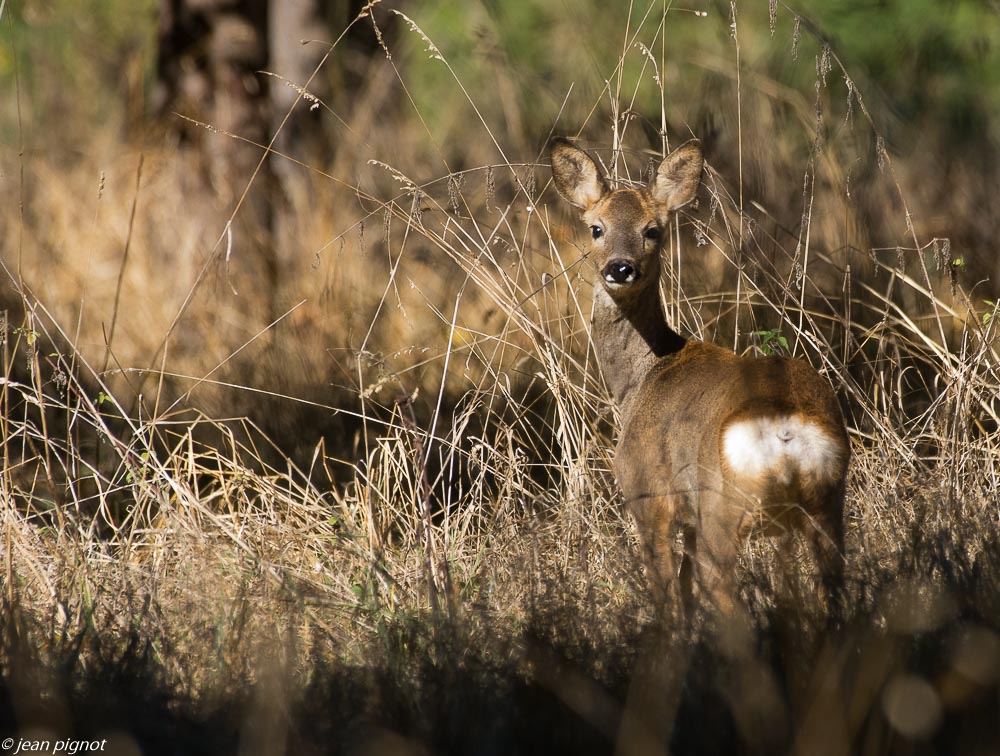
[
  {"x": 677, "y": 178},
  {"x": 577, "y": 176}
]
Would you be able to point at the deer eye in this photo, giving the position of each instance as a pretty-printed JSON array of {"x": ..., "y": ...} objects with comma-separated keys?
[
  {"x": 597, "y": 231},
  {"x": 653, "y": 233}
]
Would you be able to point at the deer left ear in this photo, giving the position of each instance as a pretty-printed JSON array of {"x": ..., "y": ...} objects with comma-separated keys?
[
  {"x": 676, "y": 181},
  {"x": 577, "y": 176}
]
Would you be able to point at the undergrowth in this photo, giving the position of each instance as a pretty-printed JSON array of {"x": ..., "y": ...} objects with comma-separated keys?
[{"x": 385, "y": 520}]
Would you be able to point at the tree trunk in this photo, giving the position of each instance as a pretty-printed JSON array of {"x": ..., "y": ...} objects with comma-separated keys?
[
  {"x": 211, "y": 53},
  {"x": 293, "y": 22}
]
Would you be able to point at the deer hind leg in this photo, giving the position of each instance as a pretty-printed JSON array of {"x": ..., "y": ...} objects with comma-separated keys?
[
  {"x": 657, "y": 684},
  {"x": 687, "y": 568},
  {"x": 656, "y": 521},
  {"x": 716, "y": 574},
  {"x": 722, "y": 527},
  {"x": 826, "y": 538}
]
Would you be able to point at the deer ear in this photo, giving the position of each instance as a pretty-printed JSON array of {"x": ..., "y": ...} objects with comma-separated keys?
[
  {"x": 577, "y": 176},
  {"x": 677, "y": 179}
]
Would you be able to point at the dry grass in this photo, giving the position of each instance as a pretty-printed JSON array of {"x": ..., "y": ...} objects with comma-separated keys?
[{"x": 387, "y": 520}]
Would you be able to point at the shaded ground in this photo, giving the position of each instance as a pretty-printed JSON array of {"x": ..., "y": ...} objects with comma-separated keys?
[{"x": 868, "y": 687}]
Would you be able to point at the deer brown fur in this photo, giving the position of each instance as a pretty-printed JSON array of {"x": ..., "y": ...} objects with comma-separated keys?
[{"x": 712, "y": 445}]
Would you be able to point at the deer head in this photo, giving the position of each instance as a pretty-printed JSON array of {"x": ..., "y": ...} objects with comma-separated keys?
[{"x": 627, "y": 226}]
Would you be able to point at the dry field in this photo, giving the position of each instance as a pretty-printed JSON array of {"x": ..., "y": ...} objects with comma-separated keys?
[{"x": 367, "y": 507}]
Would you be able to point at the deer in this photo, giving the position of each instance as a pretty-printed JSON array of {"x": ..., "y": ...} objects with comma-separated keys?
[{"x": 713, "y": 446}]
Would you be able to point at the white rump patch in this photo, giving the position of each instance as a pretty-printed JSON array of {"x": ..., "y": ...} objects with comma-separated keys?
[{"x": 779, "y": 446}]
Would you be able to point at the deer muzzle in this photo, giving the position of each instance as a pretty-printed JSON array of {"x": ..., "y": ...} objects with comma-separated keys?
[{"x": 620, "y": 272}]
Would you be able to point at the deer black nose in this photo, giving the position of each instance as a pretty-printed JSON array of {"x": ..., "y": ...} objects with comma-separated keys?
[{"x": 619, "y": 272}]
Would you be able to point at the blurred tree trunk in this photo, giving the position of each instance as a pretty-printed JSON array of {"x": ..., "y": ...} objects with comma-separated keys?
[
  {"x": 299, "y": 35},
  {"x": 296, "y": 37},
  {"x": 296, "y": 34},
  {"x": 304, "y": 89},
  {"x": 210, "y": 68},
  {"x": 211, "y": 53}
]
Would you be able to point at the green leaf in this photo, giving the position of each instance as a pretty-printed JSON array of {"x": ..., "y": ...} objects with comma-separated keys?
[
  {"x": 772, "y": 342},
  {"x": 988, "y": 316}
]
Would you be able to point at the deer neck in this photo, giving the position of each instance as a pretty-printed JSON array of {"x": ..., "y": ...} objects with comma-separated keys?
[{"x": 630, "y": 337}]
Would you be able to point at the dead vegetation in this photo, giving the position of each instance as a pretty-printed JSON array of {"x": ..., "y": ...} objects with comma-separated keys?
[{"x": 386, "y": 521}]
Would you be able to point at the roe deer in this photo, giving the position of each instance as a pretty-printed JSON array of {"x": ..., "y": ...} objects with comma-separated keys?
[{"x": 712, "y": 445}]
